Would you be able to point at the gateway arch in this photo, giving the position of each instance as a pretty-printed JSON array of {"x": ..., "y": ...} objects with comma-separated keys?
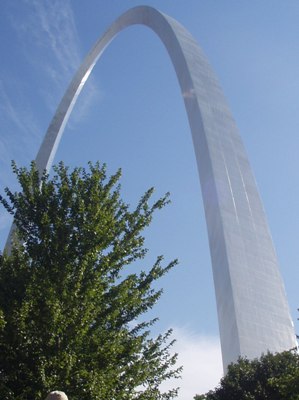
[{"x": 253, "y": 312}]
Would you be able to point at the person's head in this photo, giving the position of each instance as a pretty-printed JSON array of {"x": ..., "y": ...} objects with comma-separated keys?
[{"x": 56, "y": 395}]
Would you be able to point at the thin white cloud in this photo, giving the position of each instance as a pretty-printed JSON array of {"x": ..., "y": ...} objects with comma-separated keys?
[
  {"x": 49, "y": 42},
  {"x": 10, "y": 111},
  {"x": 56, "y": 26},
  {"x": 49, "y": 26},
  {"x": 19, "y": 127},
  {"x": 55, "y": 22},
  {"x": 200, "y": 357}
]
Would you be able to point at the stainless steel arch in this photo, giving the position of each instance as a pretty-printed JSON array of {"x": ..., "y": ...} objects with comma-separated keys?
[{"x": 251, "y": 302}]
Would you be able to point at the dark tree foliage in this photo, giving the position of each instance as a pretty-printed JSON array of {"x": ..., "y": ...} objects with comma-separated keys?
[
  {"x": 271, "y": 377},
  {"x": 70, "y": 302}
]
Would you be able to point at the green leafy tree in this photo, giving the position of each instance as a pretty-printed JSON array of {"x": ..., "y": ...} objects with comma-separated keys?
[
  {"x": 70, "y": 297},
  {"x": 271, "y": 377},
  {"x": 200, "y": 397}
]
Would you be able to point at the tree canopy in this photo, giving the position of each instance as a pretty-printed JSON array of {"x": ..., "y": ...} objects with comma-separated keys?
[
  {"x": 72, "y": 293},
  {"x": 271, "y": 377}
]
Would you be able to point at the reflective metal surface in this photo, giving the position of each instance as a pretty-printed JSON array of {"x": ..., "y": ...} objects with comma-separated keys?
[{"x": 252, "y": 307}]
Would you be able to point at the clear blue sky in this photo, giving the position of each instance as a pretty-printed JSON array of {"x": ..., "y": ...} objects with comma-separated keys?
[{"x": 131, "y": 115}]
